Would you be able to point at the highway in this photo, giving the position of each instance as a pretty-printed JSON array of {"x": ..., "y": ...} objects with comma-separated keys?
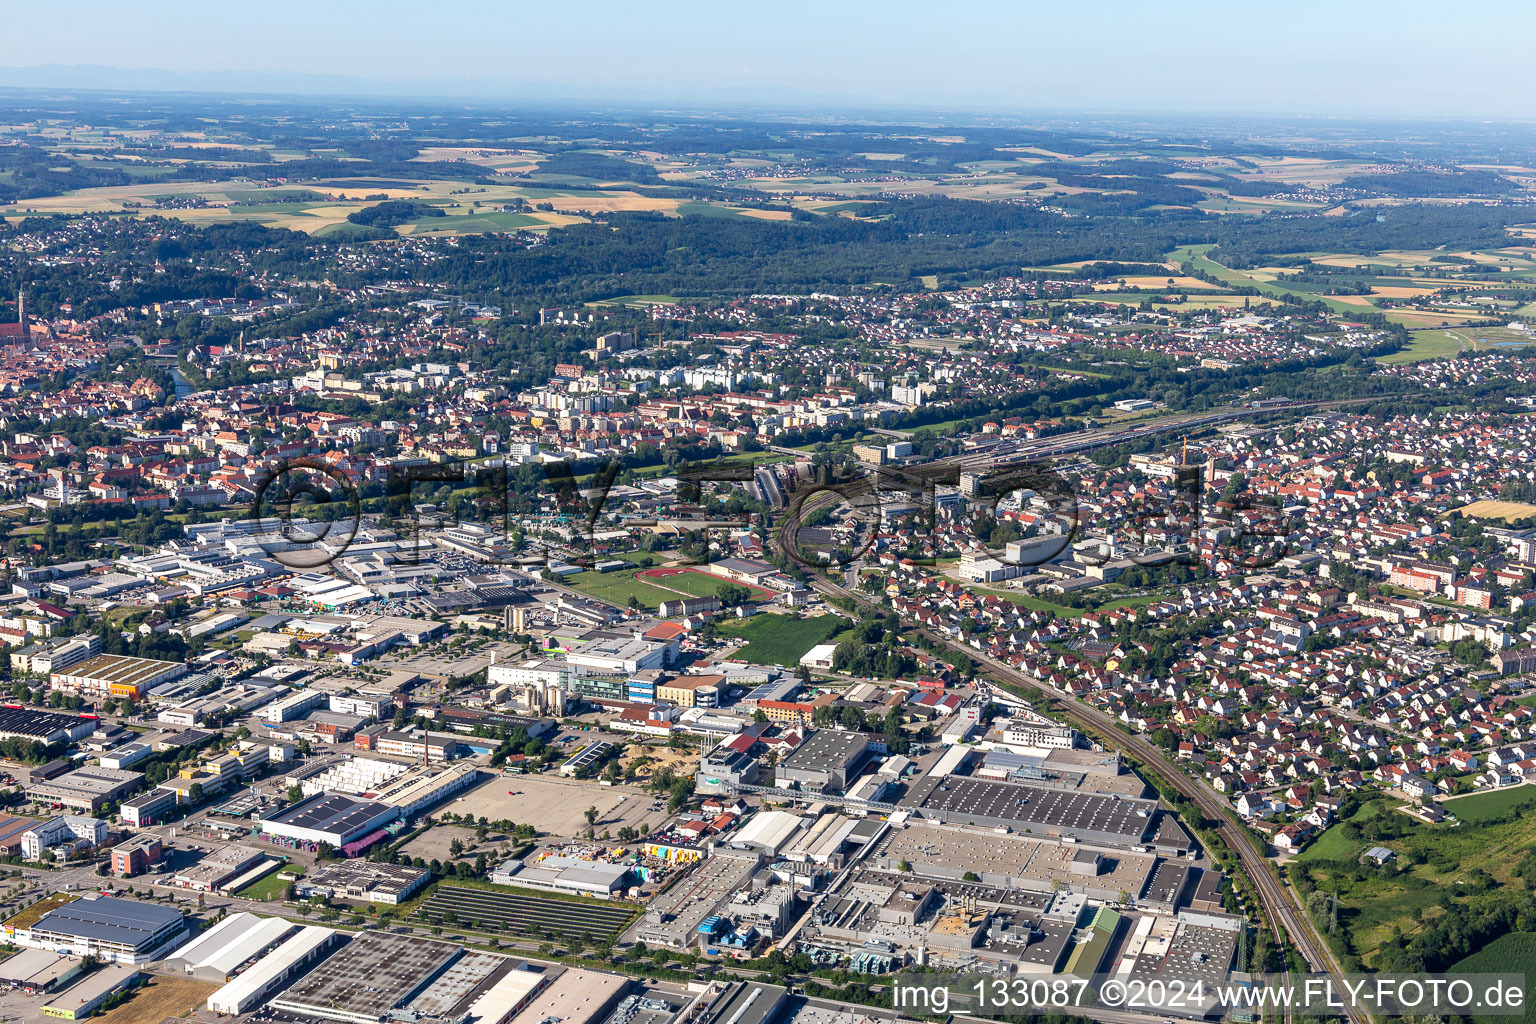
[{"x": 1286, "y": 920}]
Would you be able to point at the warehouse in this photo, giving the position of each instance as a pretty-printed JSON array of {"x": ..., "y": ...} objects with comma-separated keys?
[
  {"x": 39, "y": 970},
  {"x": 769, "y": 831},
  {"x": 373, "y": 974},
  {"x": 1118, "y": 821},
  {"x": 424, "y": 785},
  {"x": 566, "y": 874},
  {"x": 85, "y": 997},
  {"x": 333, "y": 818},
  {"x": 220, "y": 951},
  {"x": 828, "y": 760},
  {"x": 86, "y": 789},
  {"x": 108, "y": 928},
  {"x": 509, "y": 995},
  {"x": 751, "y": 1003},
  {"x": 116, "y": 676},
  {"x": 46, "y": 727},
  {"x": 213, "y": 872},
  {"x": 274, "y": 970},
  {"x": 576, "y": 997},
  {"x": 1013, "y": 862}
]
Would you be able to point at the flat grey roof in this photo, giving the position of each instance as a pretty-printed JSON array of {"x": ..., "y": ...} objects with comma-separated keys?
[
  {"x": 827, "y": 750},
  {"x": 371, "y": 975},
  {"x": 752, "y": 1003},
  {"x": 329, "y": 812},
  {"x": 1070, "y": 813},
  {"x": 109, "y": 919}
]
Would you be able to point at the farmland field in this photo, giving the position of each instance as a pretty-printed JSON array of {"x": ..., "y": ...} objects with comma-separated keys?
[
  {"x": 1498, "y": 510},
  {"x": 782, "y": 639},
  {"x": 1508, "y": 954},
  {"x": 528, "y": 914}
]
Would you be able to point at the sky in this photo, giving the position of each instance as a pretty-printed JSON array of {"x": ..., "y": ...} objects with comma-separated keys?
[{"x": 1357, "y": 57}]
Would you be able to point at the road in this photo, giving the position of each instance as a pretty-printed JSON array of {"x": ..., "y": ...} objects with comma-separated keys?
[{"x": 1286, "y": 920}]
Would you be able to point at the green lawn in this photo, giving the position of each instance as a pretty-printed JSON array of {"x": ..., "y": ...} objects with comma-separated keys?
[
  {"x": 1425, "y": 345},
  {"x": 1482, "y": 807},
  {"x": 782, "y": 639},
  {"x": 698, "y": 584},
  {"x": 635, "y": 300},
  {"x": 1041, "y": 604},
  {"x": 618, "y": 587},
  {"x": 271, "y": 887},
  {"x": 1335, "y": 845}
]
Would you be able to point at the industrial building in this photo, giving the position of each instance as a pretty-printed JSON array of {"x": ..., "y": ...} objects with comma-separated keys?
[
  {"x": 38, "y": 970},
  {"x": 1039, "y": 810},
  {"x": 363, "y": 880},
  {"x": 85, "y": 789},
  {"x": 827, "y": 760},
  {"x": 219, "y": 953},
  {"x": 368, "y": 977},
  {"x": 333, "y": 818},
  {"x": 769, "y": 831},
  {"x": 577, "y": 996},
  {"x": 217, "y": 870},
  {"x": 274, "y": 970},
  {"x": 106, "y": 927},
  {"x": 46, "y": 727},
  {"x": 1013, "y": 862},
  {"x": 115, "y": 676},
  {"x": 674, "y": 916},
  {"x": 148, "y": 808},
  {"x": 294, "y": 705},
  {"x": 85, "y": 997},
  {"x": 750, "y": 1003},
  {"x": 127, "y": 755},
  {"x": 557, "y": 873},
  {"x": 421, "y": 786},
  {"x": 509, "y": 995}
]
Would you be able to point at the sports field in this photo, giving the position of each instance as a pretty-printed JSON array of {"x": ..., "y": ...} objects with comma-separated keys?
[
  {"x": 618, "y": 587},
  {"x": 696, "y": 582}
]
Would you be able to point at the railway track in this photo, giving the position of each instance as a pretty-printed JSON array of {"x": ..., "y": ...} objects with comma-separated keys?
[{"x": 1287, "y": 922}]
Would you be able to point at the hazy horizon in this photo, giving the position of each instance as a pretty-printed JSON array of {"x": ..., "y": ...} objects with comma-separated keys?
[{"x": 1401, "y": 60}]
